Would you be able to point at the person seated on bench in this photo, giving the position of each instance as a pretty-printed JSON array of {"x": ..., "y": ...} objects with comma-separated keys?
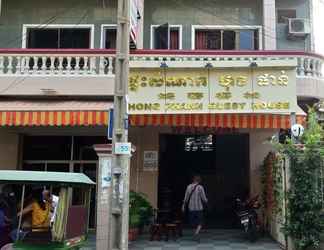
[{"x": 40, "y": 211}]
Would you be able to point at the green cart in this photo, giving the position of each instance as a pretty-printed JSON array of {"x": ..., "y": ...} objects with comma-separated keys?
[{"x": 69, "y": 229}]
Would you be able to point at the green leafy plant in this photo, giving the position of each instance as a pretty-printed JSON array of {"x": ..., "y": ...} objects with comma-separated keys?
[
  {"x": 140, "y": 210},
  {"x": 304, "y": 224}
]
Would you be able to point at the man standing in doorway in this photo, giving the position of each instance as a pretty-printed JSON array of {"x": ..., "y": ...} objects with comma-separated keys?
[{"x": 194, "y": 201}]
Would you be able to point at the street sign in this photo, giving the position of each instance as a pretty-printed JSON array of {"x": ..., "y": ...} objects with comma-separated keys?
[{"x": 123, "y": 148}]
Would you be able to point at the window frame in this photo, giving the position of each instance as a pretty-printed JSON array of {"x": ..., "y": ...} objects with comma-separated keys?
[
  {"x": 153, "y": 26},
  {"x": 225, "y": 28},
  {"x": 57, "y": 26},
  {"x": 103, "y": 33}
]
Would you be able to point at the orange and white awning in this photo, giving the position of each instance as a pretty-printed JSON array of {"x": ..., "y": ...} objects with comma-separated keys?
[
  {"x": 54, "y": 113},
  {"x": 251, "y": 121}
]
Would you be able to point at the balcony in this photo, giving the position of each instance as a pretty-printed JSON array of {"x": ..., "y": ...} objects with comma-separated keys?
[
  {"x": 91, "y": 72},
  {"x": 56, "y": 72}
]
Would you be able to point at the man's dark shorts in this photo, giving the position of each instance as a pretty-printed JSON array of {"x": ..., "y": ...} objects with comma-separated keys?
[{"x": 196, "y": 218}]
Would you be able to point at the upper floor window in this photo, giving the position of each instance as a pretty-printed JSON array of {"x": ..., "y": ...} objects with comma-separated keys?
[
  {"x": 109, "y": 36},
  {"x": 214, "y": 38},
  {"x": 58, "y": 37},
  {"x": 166, "y": 36}
]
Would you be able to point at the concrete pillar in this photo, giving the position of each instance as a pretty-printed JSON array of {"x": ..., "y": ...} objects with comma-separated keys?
[
  {"x": 269, "y": 25},
  {"x": 104, "y": 192}
]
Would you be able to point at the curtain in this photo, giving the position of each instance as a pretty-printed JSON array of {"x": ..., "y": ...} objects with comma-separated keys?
[
  {"x": 200, "y": 39},
  {"x": 58, "y": 229},
  {"x": 174, "y": 39}
]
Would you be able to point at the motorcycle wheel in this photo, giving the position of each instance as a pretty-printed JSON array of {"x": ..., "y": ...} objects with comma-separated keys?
[{"x": 252, "y": 232}]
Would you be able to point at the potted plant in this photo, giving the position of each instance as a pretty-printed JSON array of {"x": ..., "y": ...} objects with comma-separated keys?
[
  {"x": 134, "y": 222},
  {"x": 140, "y": 213}
]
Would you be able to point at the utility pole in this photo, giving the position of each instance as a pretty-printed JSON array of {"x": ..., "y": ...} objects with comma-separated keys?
[{"x": 118, "y": 235}]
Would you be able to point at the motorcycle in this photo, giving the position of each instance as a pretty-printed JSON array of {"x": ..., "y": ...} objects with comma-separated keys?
[{"x": 248, "y": 217}]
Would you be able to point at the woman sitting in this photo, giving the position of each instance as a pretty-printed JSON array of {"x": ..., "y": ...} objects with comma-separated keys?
[{"x": 39, "y": 210}]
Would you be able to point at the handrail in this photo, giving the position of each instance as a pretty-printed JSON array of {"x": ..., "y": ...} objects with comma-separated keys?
[{"x": 165, "y": 52}]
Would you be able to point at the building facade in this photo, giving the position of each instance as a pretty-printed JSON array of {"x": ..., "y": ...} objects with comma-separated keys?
[{"x": 210, "y": 82}]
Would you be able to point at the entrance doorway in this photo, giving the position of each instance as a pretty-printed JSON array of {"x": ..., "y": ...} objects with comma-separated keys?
[{"x": 221, "y": 160}]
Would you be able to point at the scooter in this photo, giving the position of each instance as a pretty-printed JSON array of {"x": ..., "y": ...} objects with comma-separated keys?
[{"x": 248, "y": 217}]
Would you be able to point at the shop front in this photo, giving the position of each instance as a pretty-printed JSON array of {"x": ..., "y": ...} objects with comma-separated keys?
[
  {"x": 214, "y": 122},
  {"x": 54, "y": 136}
]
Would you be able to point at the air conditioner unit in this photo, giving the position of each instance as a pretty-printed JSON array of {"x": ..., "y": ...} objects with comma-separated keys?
[{"x": 298, "y": 27}]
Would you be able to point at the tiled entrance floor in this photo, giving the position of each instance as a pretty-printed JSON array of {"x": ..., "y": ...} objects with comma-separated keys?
[{"x": 210, "y": 240}]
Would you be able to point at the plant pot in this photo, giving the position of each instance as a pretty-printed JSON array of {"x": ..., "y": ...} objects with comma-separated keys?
[{"x": 132, "y": 234}]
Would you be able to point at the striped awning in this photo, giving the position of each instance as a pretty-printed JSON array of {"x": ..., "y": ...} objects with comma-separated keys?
[
  {"x": 254, "y": 121},
  {"x": 54, "y": 113}
]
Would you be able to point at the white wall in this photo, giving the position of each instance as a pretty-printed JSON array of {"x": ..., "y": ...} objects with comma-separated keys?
[
  {"x": 318, "y": 12},
  {"x": 258, "y": 151}
]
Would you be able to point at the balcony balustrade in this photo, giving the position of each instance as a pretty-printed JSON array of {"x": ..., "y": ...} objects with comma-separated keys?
[
  {"x": 91, "y": 64},
  {"x": 38, "y": 62}
]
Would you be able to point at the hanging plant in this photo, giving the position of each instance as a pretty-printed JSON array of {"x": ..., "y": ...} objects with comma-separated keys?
[
  {"x": 272, "y": 182},
  {"x": 304, "y": 223}
]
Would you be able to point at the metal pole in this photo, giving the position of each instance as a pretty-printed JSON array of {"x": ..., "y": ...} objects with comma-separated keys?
[
  {"x": 21, "y": 210},
  {"x": 120, "y": 202}
]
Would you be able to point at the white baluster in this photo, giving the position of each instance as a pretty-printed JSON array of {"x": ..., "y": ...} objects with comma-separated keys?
[
  {"x": 92, "y": 65},
  {"x": 18, "y": 65},
  {"x": 52, "y": 65},
  {"x": 110, "y": 65},
  {"x": 312, "y": 67},
  {"x": 307, "y": 67},
  {"x": 68, "y": 67},
  {"x": 34, "y": 68},
  {"x": 77, "y": 65},
  {"x": 300, "y": 66},
  {"x": 2, "y": 64},
  {"x": 102, "y": 65},
  {"x": 24, "y": 65},
  {"x": 60, "y": 65},
  {"x": 320, "y": 69},
  {"x": 10, "y": 65},
  {"x": 43, "y": 66}
]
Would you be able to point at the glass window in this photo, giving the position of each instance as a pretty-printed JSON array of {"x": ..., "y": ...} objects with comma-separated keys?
[
  {"x": 226, "y": 39},
  {"x": 58, "y": 38},
  {"x": 247, "y": 40},
  {"x": 229, "y": 39},
  {"x": 110, "y": 38},
  {"x": 166, "y": 37}
]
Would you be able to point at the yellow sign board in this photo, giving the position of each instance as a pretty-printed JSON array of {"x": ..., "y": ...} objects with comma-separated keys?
[{"x": 175, "y": 91}]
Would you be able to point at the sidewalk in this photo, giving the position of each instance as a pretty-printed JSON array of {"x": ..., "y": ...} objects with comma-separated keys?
[{"x": 210, "y": 240}]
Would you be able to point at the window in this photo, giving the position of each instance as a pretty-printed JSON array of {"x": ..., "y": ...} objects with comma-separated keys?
[
  {"x": 109, "y": 36},
  {"x": 284, "y": 14},
  {"x": 56, "y": 37},
  {"x": 226, "y": 39},
  {"x": 166, "y": 37}
]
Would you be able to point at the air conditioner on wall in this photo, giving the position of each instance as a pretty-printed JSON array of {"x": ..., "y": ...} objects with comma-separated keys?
[{"x": 298, "y": 28}]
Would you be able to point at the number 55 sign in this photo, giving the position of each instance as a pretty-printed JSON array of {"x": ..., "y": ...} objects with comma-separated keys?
[{"x": 123, "y": 148}]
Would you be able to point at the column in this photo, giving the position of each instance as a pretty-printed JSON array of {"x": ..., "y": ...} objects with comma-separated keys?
[
  {"x": 269, "y": 25},
  {"x": 104, "y": 193}
]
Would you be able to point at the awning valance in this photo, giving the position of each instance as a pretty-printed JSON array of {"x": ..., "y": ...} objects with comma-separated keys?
[
  {"x": 54, "y": 113},
  {"x": 254, "y": 121}
]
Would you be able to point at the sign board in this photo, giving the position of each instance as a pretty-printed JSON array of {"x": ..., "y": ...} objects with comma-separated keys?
[
  {"x": 106, "y": 175},
  {"x": 179, "y": 91},
  {"x": 150, "y": 160},
  {"x": 123, "y": 148}
]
